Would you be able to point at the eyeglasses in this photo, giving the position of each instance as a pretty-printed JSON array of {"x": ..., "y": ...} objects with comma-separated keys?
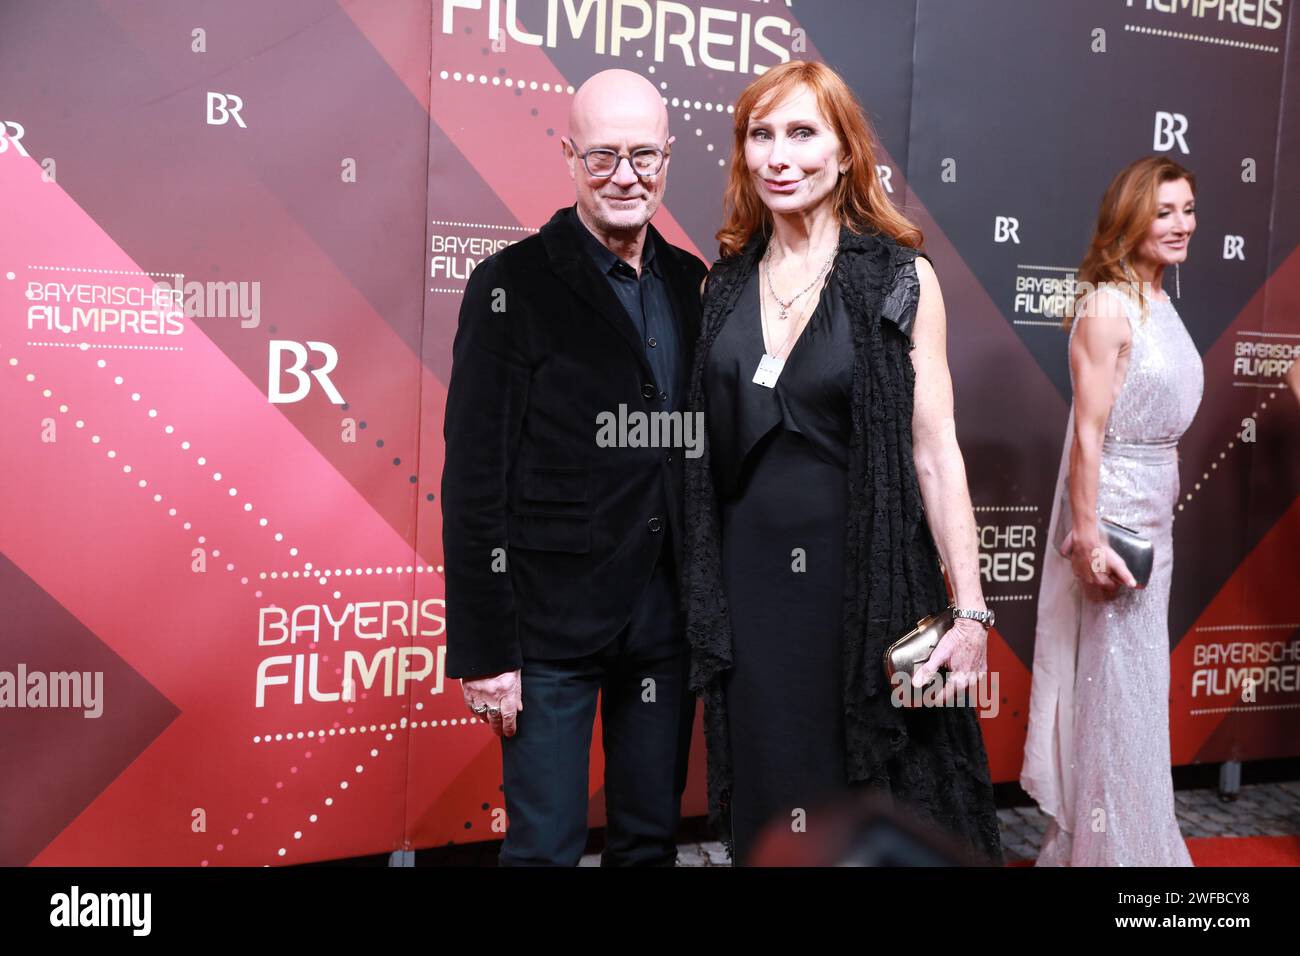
[{"x": 603, "y": 163}]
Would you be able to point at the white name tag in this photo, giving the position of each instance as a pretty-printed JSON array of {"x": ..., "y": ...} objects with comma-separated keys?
[{"x": 769, "y": 370}]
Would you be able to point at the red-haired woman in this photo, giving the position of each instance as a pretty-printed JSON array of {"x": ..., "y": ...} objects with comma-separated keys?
[
  {"x": 814, "y": 516},
  {"x": 1097, "y": 752}
]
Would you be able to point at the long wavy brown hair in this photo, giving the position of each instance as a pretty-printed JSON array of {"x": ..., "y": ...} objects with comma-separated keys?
[
  {"x": 858, "y": 199},
  {"x": 1127, "y": 210}
]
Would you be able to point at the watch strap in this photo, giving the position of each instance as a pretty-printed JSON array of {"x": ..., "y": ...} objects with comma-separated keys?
[{"x": 984, "y": 617}]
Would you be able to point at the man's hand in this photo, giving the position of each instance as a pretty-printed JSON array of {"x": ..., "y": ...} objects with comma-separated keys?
[{"x": 498, "y": 700}]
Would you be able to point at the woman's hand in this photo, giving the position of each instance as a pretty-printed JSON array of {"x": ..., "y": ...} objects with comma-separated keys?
[
  {"x": 1097, "y": 566},
  {"x": 965, "y": 650}
]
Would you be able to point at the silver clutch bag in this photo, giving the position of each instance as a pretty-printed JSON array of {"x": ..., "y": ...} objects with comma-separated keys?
[
  {"x": 914, "y": 648},
  {"x": 1136, "y": 551}
]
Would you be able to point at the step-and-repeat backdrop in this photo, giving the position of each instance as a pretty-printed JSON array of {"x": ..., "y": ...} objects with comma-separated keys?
[{"x": 234, "y": 242}]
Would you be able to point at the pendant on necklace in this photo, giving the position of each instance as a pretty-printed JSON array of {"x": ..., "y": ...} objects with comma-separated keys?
[{"x": 769, "y": 369}]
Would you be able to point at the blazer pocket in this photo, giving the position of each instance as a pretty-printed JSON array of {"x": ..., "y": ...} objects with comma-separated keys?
[
  {"x": 547, "y": 532},
  {"x": 562, "y": 485}
]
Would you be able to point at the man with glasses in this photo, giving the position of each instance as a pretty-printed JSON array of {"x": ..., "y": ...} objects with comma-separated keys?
[{"x": 562, "y": 556}]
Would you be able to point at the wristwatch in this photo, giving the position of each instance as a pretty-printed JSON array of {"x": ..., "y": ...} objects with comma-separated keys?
[{"x": 984, "y": 617}]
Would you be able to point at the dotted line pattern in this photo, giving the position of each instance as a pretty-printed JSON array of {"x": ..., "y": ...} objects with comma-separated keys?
[
  {"x": 1006, "y": 508},
  {"x": 323, "y": 575},
  {"x": 403, "y": 724},
  {"x": 1279, "y": 335},
  {"x": 1200, "y": 38},
  {"x": 456, "y": 291},
  {"x": 1214, "y": 465},
  {"x": 687, "y": 104},
  {"x": 1248, "y": 627},
  {"x": 311, "y": 818},
  {"x": 1008, "y": 597},
  {"x": 329, "y": 801},
  {"x": 1055, "y": 325},
  {"x": 456, "y": 76},
  {"x": 508, "y": 82},
  {"x": 201, "y": 461},
  {"x": 1051, "y": 268},
  {"x": 707, "y": 106},
  {"x": 1245, "y": 708},
  {"x": 127, "y": 469},
  {"x": 87, "y": 346},
  {"x": 480, "y": 225},
  {"x": 111, "y": 272}
]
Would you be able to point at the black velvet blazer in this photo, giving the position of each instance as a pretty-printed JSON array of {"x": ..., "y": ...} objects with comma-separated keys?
[{"x": 544, "y": 347}]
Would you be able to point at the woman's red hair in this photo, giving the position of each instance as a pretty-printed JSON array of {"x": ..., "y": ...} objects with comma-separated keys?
[{"x": 858, "y": 199}]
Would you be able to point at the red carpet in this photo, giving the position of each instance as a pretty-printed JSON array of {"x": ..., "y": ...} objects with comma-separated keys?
[
  {"x": 1245, "y": 851},
  {"x": 1237, "y": 851}
]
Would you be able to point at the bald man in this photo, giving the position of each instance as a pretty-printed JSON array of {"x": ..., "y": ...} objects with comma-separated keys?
[{"x": 563, "y": 548}]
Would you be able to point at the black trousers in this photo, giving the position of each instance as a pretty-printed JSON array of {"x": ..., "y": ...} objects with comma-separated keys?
[{"x": 646, "y": 714}]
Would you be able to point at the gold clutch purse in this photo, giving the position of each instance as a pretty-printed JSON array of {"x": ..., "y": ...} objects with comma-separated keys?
[{"x": 914, "y": 648}]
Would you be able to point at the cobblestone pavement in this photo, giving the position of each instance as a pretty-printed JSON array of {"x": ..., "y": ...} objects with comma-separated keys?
[{"x": 1266, "y": 809}]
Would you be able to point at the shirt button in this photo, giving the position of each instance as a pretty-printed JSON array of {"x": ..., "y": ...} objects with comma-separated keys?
[
  {"x": 647, "y": 391},
  {"x": 655, "y": 525},
  {"x": 670, "y": 459},
  {"x": 652, "y": 341},
  {"x": 663, "y": 396}
]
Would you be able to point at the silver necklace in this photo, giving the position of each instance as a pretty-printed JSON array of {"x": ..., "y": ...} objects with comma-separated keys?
[{"x": 770, "y": 365}]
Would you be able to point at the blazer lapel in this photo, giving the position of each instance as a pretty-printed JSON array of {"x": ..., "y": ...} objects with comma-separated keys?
[
  {"x": 573, "y": 265},
  {"x": 686, "y": 298}
]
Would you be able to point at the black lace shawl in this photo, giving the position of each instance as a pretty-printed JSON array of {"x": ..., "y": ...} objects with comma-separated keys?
[{"x": 933, "y": 758}]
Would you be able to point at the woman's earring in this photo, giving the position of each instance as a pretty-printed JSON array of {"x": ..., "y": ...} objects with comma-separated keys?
[
  {"x": 1128, "y": 274},
  {"x": 1178, "y": 288}
]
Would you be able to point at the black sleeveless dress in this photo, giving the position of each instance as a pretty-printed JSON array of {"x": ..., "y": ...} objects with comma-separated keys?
[{"x": 780, "y": 459}]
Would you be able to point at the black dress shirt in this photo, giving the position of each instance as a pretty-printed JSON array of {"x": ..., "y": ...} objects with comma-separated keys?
[{"x": 649, "y": 306}]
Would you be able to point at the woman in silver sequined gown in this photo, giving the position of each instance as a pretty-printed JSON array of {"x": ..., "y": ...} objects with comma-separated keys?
[{"x": 1097, "y": 756}]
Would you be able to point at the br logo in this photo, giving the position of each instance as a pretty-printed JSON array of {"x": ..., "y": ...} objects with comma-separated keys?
[
  {"x": 1006, "y": 229},
  {"x": 220, "y": 112},
  {"x": 1170, "y": 128},
  {"x": 298, "y": 369},
  {"x": 15, "y": 137}
]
